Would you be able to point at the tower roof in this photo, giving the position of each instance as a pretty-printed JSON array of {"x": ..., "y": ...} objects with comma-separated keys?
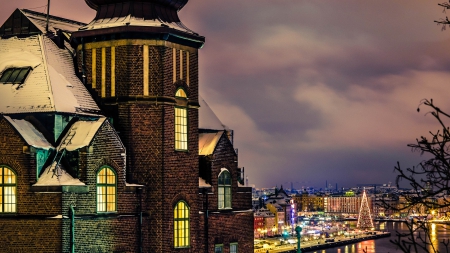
[
  {"x": 138, "y": 19},
  {"x": 175, "y": 4}
]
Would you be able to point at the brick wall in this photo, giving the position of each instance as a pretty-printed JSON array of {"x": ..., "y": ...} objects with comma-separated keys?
[
  {"x": 229, "y": 227},
  {"x": 24, "y": 231},
  {"x": 98, "y": 232}
]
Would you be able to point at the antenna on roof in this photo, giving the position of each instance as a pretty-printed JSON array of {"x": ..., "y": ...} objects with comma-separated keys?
[{"x": 48, "y": 15}]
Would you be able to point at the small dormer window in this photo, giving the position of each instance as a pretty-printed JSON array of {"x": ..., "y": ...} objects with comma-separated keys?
[{"x": 15, "y": 75}]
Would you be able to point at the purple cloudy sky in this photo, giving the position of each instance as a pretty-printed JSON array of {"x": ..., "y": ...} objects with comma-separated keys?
[{"x": 315, "y": 90}]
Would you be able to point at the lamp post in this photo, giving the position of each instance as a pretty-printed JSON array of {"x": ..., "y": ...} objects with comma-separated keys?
[{"x": 298, "y": 229}]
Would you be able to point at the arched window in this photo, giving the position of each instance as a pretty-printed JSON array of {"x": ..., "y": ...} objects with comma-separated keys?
[
  {"x": 181, "y": 126},
  {"x": 8, "y": 187},
  {"x": 181, "y": 228},
  {"x": 224, "y": 189},
  {"x": 106, "y": 190}
]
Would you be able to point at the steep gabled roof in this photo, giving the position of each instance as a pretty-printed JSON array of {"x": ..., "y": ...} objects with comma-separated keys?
[
  {"x": 207, "y": 142},
  {"x": 207, "y": 118},
  {"x": 28, "y": 22},
  {"x": 55, "y": 23},
  {"x": 29, "y": 133},
  {"x": 80, "y": 134},
  {"x": 51, "y": 85}
]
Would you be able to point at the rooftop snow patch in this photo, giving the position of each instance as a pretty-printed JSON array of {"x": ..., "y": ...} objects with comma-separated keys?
[
  {"x": 51, "y": 86},
  {"x": 207, "y": 142},
  {"x": 80, "y": 134},
  {"x": 55, "y": 175},
  {"x": 17, "y": 58},
  {"x": 29, "y": 133}
]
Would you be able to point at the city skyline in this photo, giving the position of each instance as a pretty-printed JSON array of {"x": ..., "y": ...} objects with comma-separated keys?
[{"x": 314, "y": 91}]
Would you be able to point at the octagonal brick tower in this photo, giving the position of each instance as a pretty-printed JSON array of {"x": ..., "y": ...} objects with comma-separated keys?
[{"x": 140, "y": 63}]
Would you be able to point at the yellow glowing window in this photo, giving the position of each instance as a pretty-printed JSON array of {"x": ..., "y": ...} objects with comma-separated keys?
[
  {"x": 224, "y": 189},
  {"x": 106, "y": 190},
  {"x": 181, "y": 129},
  {"x": 8, "y": 188},
  {"x": 181, "y": 93},
  {"x": 181, "y": 225}
]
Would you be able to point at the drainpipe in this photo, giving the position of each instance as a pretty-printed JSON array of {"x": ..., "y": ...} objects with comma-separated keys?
[
  {"x": 140, "y": 220},
  {"x": 72, "y": 229},
  {"x": 205, "y": 191},
  {"x": 83, "y": 63}
]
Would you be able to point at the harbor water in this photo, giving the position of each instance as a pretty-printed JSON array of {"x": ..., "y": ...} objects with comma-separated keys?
[{"x": 438, "y": 234}]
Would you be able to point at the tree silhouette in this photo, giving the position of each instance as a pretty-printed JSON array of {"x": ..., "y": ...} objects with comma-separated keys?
[{"x": 430, "y": 182}]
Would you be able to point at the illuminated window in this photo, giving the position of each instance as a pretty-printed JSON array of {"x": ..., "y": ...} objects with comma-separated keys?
[
  {"x": 181, "y": 127},
  {"x": 224, "y": 188},
  {"x": 8, "y": 188},
  {"x": 181, "y": 225},
  {"x": 15, "y": 75},
  {"x": 218, "y": 248},
  {"x": 180, "y": 93},
  {"x": 234, "y": 247},
  {"x": 106, "y": 190}
]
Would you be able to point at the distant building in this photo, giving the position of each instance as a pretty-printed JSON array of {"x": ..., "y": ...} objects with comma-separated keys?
[
  {"x": 309, "y": 202},
  {"x": 345, "y": 205},
  {"x": 284, "y": 208}
]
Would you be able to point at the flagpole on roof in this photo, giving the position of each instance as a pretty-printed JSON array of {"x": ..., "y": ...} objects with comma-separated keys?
[{"x": 48, "y": 14}]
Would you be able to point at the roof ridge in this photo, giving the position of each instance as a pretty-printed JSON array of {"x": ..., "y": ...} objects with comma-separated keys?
[{"x": 41, "y": 14}]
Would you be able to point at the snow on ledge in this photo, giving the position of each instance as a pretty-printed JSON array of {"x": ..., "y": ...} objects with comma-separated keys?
[{"x": 54, "y": 175}]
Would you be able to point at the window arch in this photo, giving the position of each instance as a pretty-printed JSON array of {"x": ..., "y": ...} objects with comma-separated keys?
[
  {"x": 106, "y": 190},
  {"x": 224, "y": 189},
  {"x": 181, "y": 124},
  {"x": 181, "y": 226},
  {"x": 180, "y": 93},
  {"x": 8, "y": 188}
]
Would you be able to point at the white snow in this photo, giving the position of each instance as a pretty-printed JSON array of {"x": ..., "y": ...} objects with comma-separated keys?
[
  {"x": 54, "y": 175},
  {"x": 207, "y": 142},
  {"x": 133, "y": 21},
  {"x": 65, "y": 100},
  {"x": 30, "y": 134},
  {"x": 134, "y": 185},
  {"x": 80, "y": 134},
  {"x": 18, "y": 58}
]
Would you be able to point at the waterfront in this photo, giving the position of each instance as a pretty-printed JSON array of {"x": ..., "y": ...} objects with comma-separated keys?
[{"x": 439, "y": 233}]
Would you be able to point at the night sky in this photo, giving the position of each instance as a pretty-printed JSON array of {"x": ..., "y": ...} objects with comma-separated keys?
[{"x": 315, "y": 91}]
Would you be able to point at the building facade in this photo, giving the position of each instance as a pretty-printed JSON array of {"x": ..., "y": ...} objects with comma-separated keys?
[{"x": 100, "y": 137}]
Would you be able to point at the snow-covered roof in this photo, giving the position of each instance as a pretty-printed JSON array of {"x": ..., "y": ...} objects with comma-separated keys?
[
  {"x": 55, "y": 175},
  {"x": 207, "y": 118},
  {"x": 207, "y": 142},
  {"x": 55, "y": 23},
  {"x": 29, "y": 133},
  {"x": 129, "y": 21},
  {"x": 80, "y": 134},
  {"x": 51, "y": 85}
]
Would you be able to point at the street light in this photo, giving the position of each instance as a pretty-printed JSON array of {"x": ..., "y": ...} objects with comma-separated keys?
[{"x": 298, "y": 229}]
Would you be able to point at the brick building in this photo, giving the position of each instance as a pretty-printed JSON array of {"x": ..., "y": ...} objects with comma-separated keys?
[{"x": 99, "y": 137}]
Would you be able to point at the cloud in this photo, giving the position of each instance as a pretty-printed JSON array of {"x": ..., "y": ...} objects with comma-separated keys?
[{"x": 315, "y": 90}]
